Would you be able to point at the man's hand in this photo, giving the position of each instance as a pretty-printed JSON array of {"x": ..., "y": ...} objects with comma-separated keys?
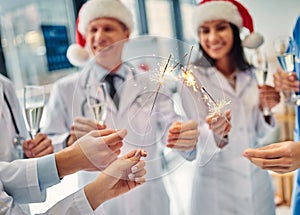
[
  {"x": 183, "y": 136},
  {"x": 94, "y": 151},
  {"x": 39, "y": 146},
  {"x": 81, "y": 127}
]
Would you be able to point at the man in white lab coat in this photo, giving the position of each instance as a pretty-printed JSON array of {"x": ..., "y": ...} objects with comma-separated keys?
[
  {"x": 13, "y": 132},
  {"x": 24, "y": 181},
  {"x": 103, "y": 28}
]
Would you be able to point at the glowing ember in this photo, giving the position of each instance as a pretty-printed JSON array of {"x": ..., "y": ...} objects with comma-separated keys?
[{"x": 189, "y": 79}]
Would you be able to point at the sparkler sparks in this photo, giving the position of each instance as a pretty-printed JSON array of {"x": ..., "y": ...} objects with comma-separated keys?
[{"x": 215, "y": 108}]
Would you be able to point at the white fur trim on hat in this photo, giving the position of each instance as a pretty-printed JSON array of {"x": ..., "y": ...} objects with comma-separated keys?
[
  {"x": 253, "y": 40},
  {"x": 94, "y": 9},
  {"x": 77, "y": 55},
  {"x": 216, "y": 10}
]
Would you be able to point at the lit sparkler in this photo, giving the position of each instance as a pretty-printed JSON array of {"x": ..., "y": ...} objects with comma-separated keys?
[
  {"x": 160, "y": 79},
  {"x": 214, "y": 107}
]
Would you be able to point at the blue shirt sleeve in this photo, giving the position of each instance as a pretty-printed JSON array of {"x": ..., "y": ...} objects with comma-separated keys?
[{"x": 47, "y": 171}]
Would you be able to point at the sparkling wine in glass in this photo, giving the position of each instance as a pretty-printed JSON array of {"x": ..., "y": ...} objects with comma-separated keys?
[
  {"x": 285, "y": 51},
  {"x": 34, "y": 101},
  {"x": 260, "y": 62},
  {"x": 97, "y": 101}
]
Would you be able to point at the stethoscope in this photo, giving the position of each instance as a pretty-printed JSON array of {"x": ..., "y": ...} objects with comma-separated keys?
[{"x": 18, "y": 139}]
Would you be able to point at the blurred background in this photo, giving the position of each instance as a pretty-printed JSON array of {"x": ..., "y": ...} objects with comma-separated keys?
[{"x": 35, "y": 35}]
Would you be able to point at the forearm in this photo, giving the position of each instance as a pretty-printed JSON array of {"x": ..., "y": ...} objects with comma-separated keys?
[
  {"x": 96, "y": 194},
  {"x": 69, "y": 161}
]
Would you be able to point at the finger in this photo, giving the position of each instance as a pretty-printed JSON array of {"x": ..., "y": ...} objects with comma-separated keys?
[
  {"x": 38, "y": 139},
  {"x": 191, "y": 134},
  {"x": 182, "y": 144},
  {"x": 138, "y": 174},
  {"x": 101, "y": 133},
  {"x": 116, "y": 147},
  {"x": 182, "y": 147},
  {"x": 84, "y": 128},
  {"x": 264, "y": 153},
  {"x": 101, "y": 127},
  {"x": 189, "y": 125},
  {"x": 140, "y": 180},
  {"x": 47, "y": 151},
  {"x": 132, "y": 155},
  {"x": 28, "y": 145},
  {"x": 280, "y": 170},
  {"x": 86, "y": 121},
  {"x": 114, "y": 138},
  {"x": 138, "y": 166},
  {"x": 40, "y": 147}
]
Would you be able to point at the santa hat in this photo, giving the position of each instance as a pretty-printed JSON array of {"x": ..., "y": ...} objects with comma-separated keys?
[
  {"x": 77, "y": 54},
  {"x": 231, "y": 11}
]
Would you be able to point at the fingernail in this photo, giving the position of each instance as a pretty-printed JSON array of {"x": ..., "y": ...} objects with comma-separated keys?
[
  {"x": 131, "y": 176},
  {"x": 291, "y": 78},
  {"x": 245, "y": 154},
  {"x": 122, "y": 132},
  {"x": 134, "y": 169},
  {"x": 138, "y": 180}
]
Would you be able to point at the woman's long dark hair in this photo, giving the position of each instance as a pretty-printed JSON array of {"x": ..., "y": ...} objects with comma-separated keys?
[{"x": 237, "y": 54}]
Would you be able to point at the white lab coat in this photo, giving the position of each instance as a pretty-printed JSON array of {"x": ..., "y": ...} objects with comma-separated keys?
[
  {"x": 225, "y": 182},
  {"x": 65, "y": 103},
  {"x": 19, "y": 184},
  {"x": 7, "y": 129}
]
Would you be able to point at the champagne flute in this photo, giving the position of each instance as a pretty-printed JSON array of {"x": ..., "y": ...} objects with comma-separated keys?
[
  {"x": 97, "y": 101},
  {"x": 34, "y": 101},
  {"x": 285, "y": 51},
  {"x": 260, "y": 62}
]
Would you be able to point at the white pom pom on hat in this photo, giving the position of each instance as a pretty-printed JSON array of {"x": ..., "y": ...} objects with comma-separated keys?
[
  {"x": 77, "y": 54},
  {"x": 231, "y": 11}
]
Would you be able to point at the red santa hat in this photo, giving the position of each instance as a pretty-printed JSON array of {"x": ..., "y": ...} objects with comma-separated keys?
[
  {"x": 77, "y": 53},
  {"x": 231, "y": 11}
]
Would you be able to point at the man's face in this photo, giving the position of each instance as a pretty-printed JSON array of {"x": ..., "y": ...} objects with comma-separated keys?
[{"x": 106, "y": 37}]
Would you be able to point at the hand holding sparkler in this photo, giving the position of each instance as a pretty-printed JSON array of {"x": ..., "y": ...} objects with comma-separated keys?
[
  {"x": 183, "y": 136},
  {"x": 220, "y": 126}
]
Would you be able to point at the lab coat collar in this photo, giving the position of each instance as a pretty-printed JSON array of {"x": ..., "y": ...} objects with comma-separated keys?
[
  {"x": 127, "y": 91},
  {"x": 217, "y": 79}
]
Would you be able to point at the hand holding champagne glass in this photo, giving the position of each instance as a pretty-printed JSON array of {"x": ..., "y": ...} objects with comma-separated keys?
[
  {"x": 260, "y": 62},
  {"x": 97, "y": 101},
  {"x": 285, "y": 51},
  {"x": 34, "y": 101}
]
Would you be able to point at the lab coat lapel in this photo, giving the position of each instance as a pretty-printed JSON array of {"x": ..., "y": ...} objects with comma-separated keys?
[
  {"x": 218, "y": 81},
  {"x": 243, "y": 81},
  {"x": 95, "y": 74},
  {"x": 130, "y": 91}
]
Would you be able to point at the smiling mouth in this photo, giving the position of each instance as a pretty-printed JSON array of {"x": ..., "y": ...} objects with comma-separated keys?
[{"x": 104, "y": 49}]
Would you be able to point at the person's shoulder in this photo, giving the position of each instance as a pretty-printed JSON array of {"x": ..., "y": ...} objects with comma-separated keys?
[
  {"x": 5, "y": 81},
  {"x": 68, "y": 80}
]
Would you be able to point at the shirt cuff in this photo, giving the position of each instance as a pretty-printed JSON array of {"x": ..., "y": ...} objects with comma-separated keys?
[{"x": 47, "y": 171}]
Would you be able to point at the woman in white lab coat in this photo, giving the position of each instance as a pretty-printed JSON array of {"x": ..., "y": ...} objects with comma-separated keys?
[
  {"x": 105, "y": 25},
  {"x": 225, "y": 182}
]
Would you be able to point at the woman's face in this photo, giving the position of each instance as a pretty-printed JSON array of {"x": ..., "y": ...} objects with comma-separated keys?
[{"x": 216, "y": 38}]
